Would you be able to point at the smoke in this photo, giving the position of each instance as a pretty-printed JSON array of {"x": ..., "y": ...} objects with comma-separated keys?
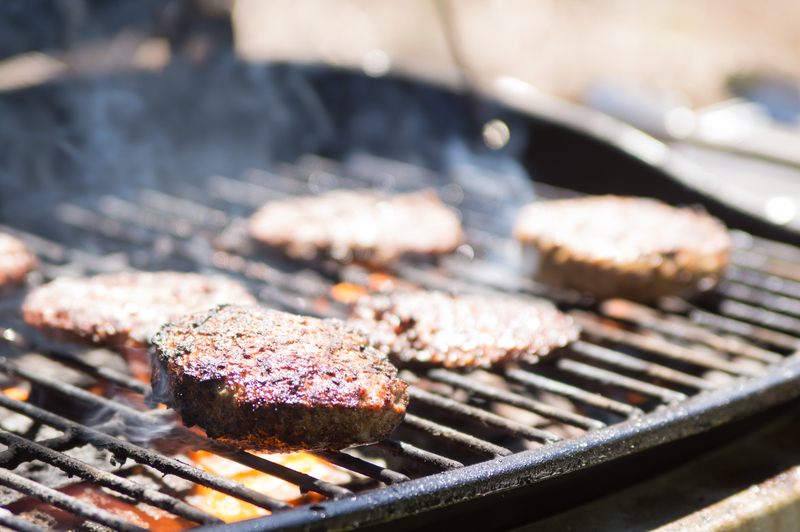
[{"x": 79, "y": 139}]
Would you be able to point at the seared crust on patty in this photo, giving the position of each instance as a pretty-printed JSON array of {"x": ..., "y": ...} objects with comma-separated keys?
[
  {"x": 462, "y": 331},
  {"x": 370, "y": 226},
  {"x": 124, "y": 308},
  {"x": 270, "y": 381},
  {"x": 16, "y": 261},
  {"x": 634, "y": 248}
]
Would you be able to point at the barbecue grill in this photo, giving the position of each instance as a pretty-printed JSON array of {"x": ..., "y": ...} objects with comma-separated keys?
[{"x": 159, "y": 172}]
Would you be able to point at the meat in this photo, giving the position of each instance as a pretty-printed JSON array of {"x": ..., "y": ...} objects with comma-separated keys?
[
  {"x": 16, "y": 261},
  {"x": 124, "y": 308},
  {"x": 270, "y": 381},
  {"x": 462, "y": 331},
  {"x": 366, "y": 226},
  {"x": 634, "y": 248}
]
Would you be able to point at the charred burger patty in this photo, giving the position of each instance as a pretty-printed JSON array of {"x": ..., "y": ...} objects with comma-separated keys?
[
  {"x": 16, "y": 261},
  {"x": 270, "y": 381},
  {"x": 365, "y": 225},
  {"x": 462, "y": 331},
  {"x": 634, "y": 248},
  {"x": 124, "y": 308}
]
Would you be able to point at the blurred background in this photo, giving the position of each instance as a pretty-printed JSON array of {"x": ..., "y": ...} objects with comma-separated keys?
[
  {"x": 123, "y": 121},
  {"x": 716, "y": 81},
  {"x": 692, "y": 47}
]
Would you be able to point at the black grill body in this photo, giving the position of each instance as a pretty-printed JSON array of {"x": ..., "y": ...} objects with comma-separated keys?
[{"x": 145, "y": 171}]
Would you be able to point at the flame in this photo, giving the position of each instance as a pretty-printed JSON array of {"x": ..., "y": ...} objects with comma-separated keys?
[
  {"x": 230, "y": 509},
  {"x": 348, "y": 292},
  {"x": 17, "y": 393},
  {"x": 142, "y": 515},
  {"x": 382, "y": 282}
]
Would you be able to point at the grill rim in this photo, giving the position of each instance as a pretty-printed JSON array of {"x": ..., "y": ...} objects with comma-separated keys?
[
  {"x": 696, "y": 415},
  {"x": 418, "y": 496}
]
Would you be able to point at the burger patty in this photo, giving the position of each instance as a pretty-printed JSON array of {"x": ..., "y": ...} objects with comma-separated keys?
[
  {"x": 462, "y": 331},
  {"x": 367, "y": 226},
  {"x": 124, "y": 308},
  {"x": 634, "y": 248},
  {"x": 270, "y": 381},
  {"x": 16, "y": 261}
]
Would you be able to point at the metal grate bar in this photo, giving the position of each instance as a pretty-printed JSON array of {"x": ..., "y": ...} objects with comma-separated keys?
[
  {"x": 46, "y": 249},
  {"x": 608, "y": 356},
  {"x": 241, "y": 193},
  {"x": 755, "y": 244},
  {"x": 482, "y": 416},
  {"x": 513, "y": 399},
  {"x": 94, "y": 475},
  {"x": 11, "y": 459},
  {"x": 766, "y": 264},
  {"x": 420, "y": 456},
  {"x": 763, "y": 281},
  {"x": 742, "y": 328},
  {"x": 755, "y": 296},
  {"x": 73, "y": 392},
  {"x": 202, "y": 215},
  {"x": 305, "y": 482},
  {"x": 9, "y": 520},
  {"x": 287, "y": 181},
  {"x": 122, "y": 450},
  {"x": 613, "y": 379},
  {"x": 114, "y": 377},
  {"x": 200, "y": 255},
  {"x": 681, "y": 327},
  {"x": 449, "y": 435},
  {"x": 301, "y": 183},
  {"x": 760, "y": 316},
  {"x": 659, "y": 346},
  {"x": 363, "y": 467},
  {"x": 125, "y": 211},
  {"x": 65, "y": 502},
  {"x": 301, "y": 480},
  {"x": 572, "y": 392}
]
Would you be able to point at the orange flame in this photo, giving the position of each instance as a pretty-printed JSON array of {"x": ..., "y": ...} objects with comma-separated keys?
[
  {"x": 16, "y": 393},
  {"x": 230, "y": 509},
  {"x": 348, "y": 292},
  {"x": 142, "y": 515}
]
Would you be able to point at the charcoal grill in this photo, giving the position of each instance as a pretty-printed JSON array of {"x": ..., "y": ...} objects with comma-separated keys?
[{"x": 127, "y": 173}]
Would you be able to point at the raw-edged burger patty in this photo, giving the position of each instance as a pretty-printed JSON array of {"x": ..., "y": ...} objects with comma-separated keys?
[
  {"x": 16, "y": 261},
  {"x": 124, "y": 308},
  {"x": 462, "y": 331},
  {"x": 634, "y": 248},
  {"x": 270, "y": 381},
  {"x": 368, "y": 226}
]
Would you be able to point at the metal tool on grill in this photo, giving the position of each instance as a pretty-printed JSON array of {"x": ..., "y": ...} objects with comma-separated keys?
[{"x": 641, "y": 379}]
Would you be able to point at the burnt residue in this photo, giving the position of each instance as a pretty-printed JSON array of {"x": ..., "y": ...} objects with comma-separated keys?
[{"x": 272, "y": 381}]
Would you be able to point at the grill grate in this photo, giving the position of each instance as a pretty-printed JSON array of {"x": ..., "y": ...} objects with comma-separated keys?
[{"x": 634, "y": 366}]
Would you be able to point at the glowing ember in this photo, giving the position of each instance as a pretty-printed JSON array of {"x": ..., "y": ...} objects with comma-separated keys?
[
  {"x": 230, "y": 509},
  {"x": 142, "y": 515},
  {"x": 348, "y": 292},
  {"x": 16, "y": 393}
]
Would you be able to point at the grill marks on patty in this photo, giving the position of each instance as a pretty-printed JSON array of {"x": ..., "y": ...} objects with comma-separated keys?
[
  {"x": 270, "y": 381},
  {"x": 634, "y": 248},
  {"x": 124, "y": 308},
  {"x": 368, "y": 226},
  {"x": 462, "y": 331}
]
